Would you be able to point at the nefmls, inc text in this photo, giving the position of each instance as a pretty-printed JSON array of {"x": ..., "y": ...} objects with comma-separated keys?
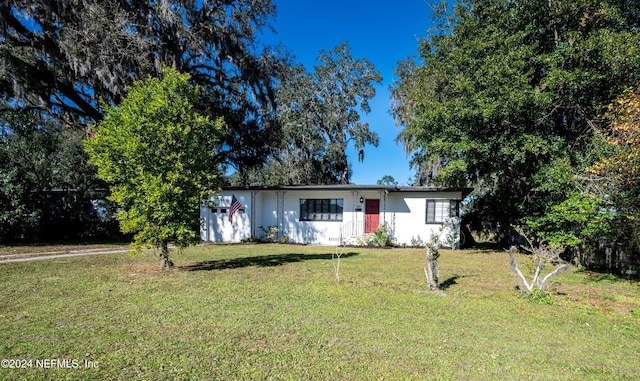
[{"x": 49, "y": 363}]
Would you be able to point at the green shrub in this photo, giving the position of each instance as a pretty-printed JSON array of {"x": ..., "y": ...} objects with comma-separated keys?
[
  {"x": 270, "y": 233},
  {"x": 539, "y": 296},
  {"x": 381, "y": 236},
  {"x": 417, "y": 241}
]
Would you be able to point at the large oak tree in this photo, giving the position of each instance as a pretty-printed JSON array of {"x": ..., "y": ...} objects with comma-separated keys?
[
  {"x": 505, "y": 96},
  {"x": 63, "y": 56},
  {"x": 59, "y": 59},
  {"x": 319, "y": 119}
]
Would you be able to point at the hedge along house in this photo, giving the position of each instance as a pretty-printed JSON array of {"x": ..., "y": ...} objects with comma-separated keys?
[{"x": 331, "y": 214}]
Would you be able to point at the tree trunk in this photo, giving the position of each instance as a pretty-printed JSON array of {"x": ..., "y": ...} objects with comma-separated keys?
[
  {"x": 165, "y": 262},
  {"x": 466, "y": 239},
  {"x": 432, "y": 272}
]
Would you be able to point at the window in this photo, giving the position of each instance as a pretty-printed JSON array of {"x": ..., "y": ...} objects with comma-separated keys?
[
  {"x": 321, "y": 209},
  {"x": 439, "y": 211},
  {"x": 224, "y": 210}
]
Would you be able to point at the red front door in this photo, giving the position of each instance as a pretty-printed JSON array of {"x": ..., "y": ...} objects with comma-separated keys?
[{"x": 371, "y": 215}]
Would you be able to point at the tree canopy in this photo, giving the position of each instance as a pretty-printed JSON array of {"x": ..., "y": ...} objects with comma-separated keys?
[
  {"x": 62, "y": 62},
  {"x": 63, "y": 56},
  {"x": 387, "y": 180},
  {"x": 65, "y": 63},
  {"x": 621, "y": 169},
  {"x": 157, "y": 152},
  {"x": 319, "y": 117},
  {"x": 618, "y": 173},
  {"x": 508, "y": 96}
]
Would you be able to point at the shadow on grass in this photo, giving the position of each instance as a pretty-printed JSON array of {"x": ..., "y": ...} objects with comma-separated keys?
[
  {"x": 594, "y": 277},
  {"x": 259, "y": 261},
  {"x": 486, "y": 247},
  {"x": 449, "y": 282}
]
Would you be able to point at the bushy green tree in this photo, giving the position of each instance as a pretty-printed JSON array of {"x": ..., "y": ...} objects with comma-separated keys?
[
  {"x": 156, "y": 150},
  {"x": 601, "y": 206},
  {"x": 506, "y": 95}
]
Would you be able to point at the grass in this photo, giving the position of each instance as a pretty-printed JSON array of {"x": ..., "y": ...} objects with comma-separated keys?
[{"x": 269, "y": 311}]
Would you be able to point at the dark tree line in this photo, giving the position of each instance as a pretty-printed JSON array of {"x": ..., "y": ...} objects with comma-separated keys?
[
  {"x": 63, "y": 61},
  {"x": 47, "y": 189}
]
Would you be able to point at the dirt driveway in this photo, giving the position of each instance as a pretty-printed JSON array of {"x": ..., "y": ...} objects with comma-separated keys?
[{"x": 42, "y": 255}]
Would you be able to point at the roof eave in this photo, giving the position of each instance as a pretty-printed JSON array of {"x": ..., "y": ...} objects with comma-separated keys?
[{"x": 389, "y": 188}]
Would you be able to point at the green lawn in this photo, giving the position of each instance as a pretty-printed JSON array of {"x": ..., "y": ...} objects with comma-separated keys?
[{"x": 254, "y": 312}]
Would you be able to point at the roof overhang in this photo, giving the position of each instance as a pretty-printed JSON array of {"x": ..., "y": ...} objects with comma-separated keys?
[{"x": 349, "y": 187}]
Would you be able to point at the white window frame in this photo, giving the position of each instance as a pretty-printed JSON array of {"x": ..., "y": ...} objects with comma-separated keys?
[
  {"x": 321, "y": 209},
  {"x": 438, "y": 211}
]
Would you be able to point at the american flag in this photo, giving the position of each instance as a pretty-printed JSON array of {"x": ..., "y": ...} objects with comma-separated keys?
[{"x": 235, "y": 205}]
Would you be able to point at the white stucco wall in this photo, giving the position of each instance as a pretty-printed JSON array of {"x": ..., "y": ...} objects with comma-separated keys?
[
  {"x": 411, "y": 214},
  {"x": 403, "y": 212},
  {"x": 216, "y": 226},
  {"x": 313, "y": 232}
]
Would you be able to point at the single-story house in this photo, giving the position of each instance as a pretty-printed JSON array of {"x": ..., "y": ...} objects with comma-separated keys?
[{"x": 332, "y": 214}]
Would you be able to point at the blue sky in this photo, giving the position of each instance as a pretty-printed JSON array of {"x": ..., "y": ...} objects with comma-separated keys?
[{"x": 380, "y": 31}]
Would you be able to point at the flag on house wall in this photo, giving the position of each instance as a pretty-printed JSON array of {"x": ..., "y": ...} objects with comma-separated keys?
[{"x": 235, "y": 205}]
